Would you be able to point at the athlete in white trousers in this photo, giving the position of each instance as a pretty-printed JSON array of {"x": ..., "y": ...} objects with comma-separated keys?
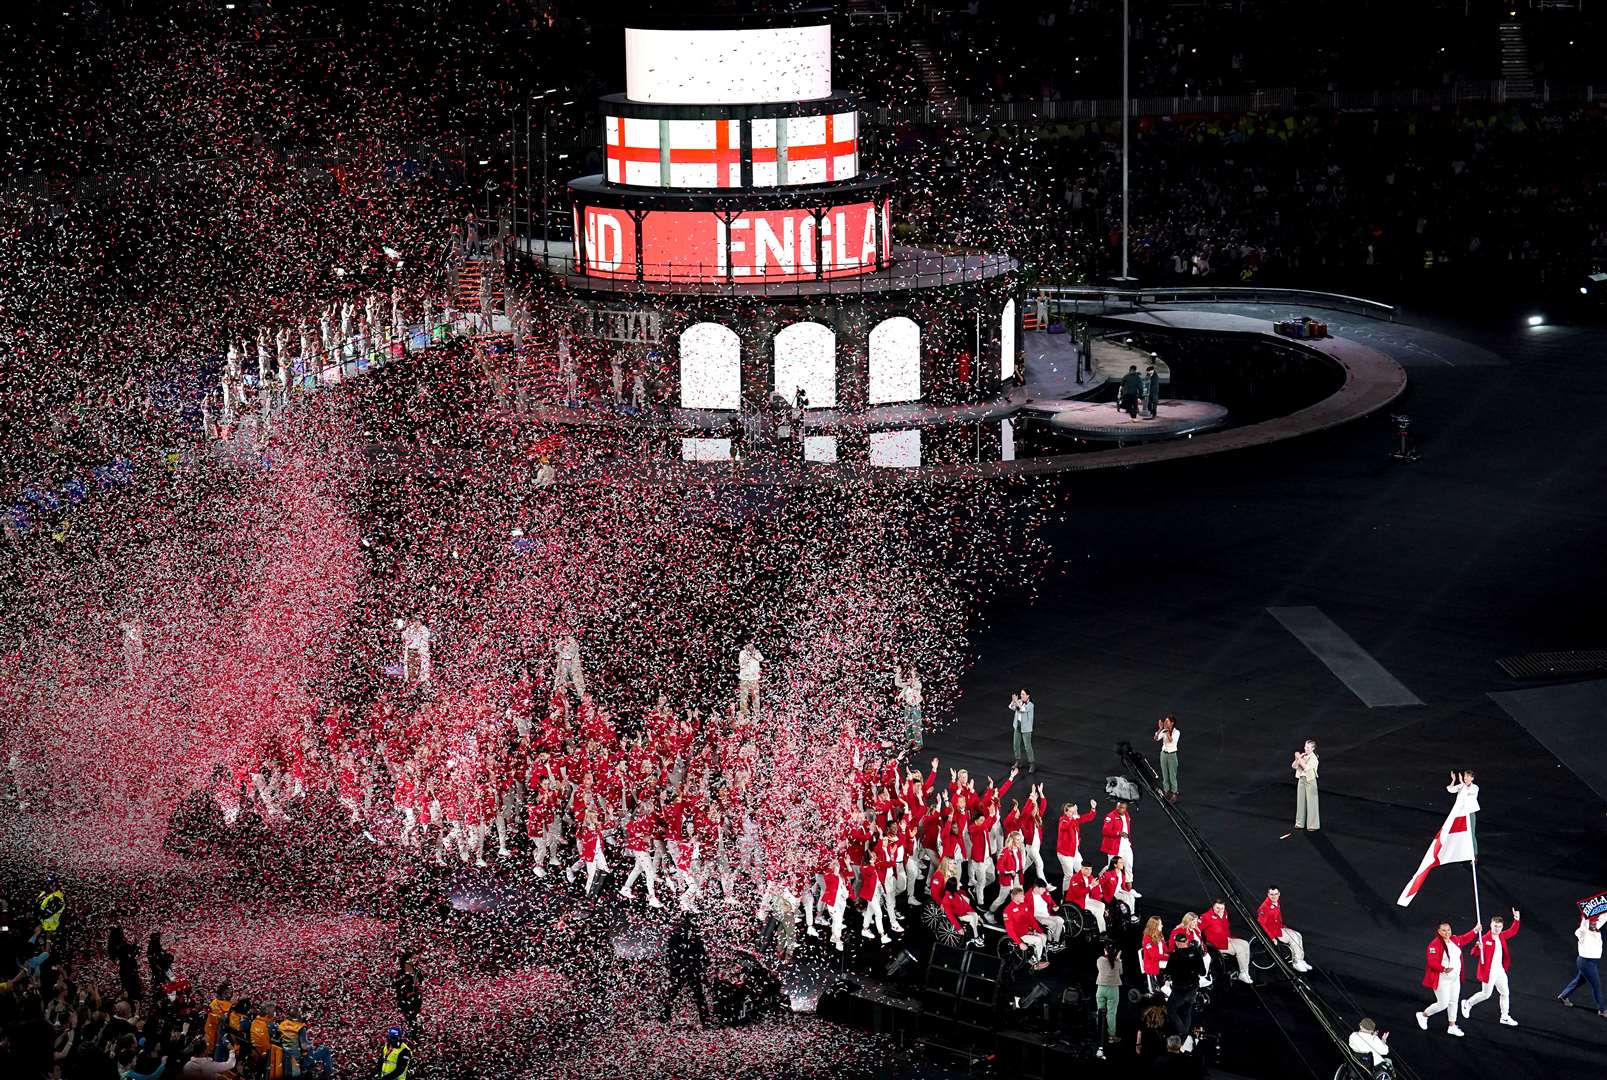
[
  {"x": 1443, "y": 975},
  {"x": 1494, "y": 960},
  {"x": 641, "y": 867}
]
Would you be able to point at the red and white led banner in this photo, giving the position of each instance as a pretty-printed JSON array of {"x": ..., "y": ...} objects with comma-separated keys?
[
  {"x": 787, "y": 150},
  {"x": 758, "y": 245}
]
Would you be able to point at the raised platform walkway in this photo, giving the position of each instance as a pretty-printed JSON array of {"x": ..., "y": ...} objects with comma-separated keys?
[{"x": 1371, "y": 381}]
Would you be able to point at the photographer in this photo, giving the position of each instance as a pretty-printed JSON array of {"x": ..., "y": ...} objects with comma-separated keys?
[{"x": 1185, "y": 966}]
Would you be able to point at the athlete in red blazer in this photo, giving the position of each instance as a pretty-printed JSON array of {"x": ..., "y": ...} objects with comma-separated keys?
[
  {"x": 1489, "y": 949},
  {"x": 1442, "y": 973}
]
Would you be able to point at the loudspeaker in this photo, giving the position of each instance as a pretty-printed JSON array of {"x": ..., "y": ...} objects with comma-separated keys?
[
  {"x": 871, "y": 1008},
  {"x": 1036, "y": 1057}
]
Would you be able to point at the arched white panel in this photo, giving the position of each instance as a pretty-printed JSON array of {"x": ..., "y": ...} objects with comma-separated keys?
[
  {"x": 1007, "y": 340},
  {"x": 820, "y": 448},
  {"x": 895, "y": 449},
  {"x": 895, "y": 361},
  {"x": 806, "y": 356},
  {"x": 711, "y": 367},
  {"x": 705, "y": 449}
]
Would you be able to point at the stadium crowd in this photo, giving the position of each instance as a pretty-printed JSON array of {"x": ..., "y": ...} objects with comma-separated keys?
[
  {"x": 992, "y": 50},
  {"x": 1390, "y": 202}
]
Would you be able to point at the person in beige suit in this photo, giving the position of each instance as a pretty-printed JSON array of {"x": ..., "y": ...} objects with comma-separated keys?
[{"x": 1305, "y": 767}]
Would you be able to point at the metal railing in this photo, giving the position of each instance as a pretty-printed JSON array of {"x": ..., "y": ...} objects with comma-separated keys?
[
  {"x": 909, "y": 268},
  {"x": 1093, "y": 299},
  {"x": 1271, "y": 100}
]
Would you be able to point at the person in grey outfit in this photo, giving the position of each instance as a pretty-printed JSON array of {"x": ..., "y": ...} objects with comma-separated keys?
[
  {"x": 1022, "y": 709},
  {"x": 1307, "y": 816},
  {"x": 1108, "y": 989}
]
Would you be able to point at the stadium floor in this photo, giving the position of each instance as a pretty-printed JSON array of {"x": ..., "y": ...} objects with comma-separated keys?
[{"x": 1489, "y": 546}]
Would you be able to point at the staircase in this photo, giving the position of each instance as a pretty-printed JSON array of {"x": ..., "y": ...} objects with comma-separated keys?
[
  {"x": 537, "y": 381},
  {"x": 945, "y": 103},
  {"x": 1515, "y": 70},
  {"x": 470, "y": 282}
]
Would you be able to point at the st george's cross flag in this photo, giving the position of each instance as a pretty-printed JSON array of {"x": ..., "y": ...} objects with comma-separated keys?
[{"x": 1454, "y": 843}]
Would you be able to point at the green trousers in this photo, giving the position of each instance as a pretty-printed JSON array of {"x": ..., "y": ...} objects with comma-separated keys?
[
  {"x": 1169, "y": 771},
  {"x": 1105, "y": 1000},
  {"x": 1023, "y": 747}
]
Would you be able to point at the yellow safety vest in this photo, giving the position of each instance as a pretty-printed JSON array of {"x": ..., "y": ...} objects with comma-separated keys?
[
  {"x": 391, "y": 1067},
  {"x": 51, "y": 920}
]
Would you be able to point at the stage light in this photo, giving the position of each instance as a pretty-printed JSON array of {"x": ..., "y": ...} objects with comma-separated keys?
[
  {"x": 903, "y": 962},
  {"x": 1536, "y": 320},
  {"x": 485, "y": 161}
]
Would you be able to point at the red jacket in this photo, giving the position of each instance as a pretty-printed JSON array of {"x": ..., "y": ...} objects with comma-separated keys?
[
  {"x": 1069, "y": 833},
  {"x": 833, "y": 889},
  {"x": 1110, "y": 881},
  {"x": 1019, "y": 920},
  {"x": 1116, "y": 826},
  {"x": 1032, "y": 819},
  {"x": 956, "y": 907},
  {"x": 1216, "y": 930},
  {"x": 540, "y": 812},
  {"x": 1009, "y": 865},
  {"x": 1270, "y": 916},
  {"x": 1080, "y": 888},
  {"x": 639, "y": 831},
  {"x": 1437, "y": 960},
  {"x": 1485, "y": 951},
  {"x": 1151, "y": 956},
  {"x": 977, "y": 835},
  {"x": 869, "y": 879}
]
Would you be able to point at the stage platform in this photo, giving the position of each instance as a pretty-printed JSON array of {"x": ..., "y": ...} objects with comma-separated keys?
[
  {"x": 1050, "y": 361},
  {"x": 1106, "y": 422}
]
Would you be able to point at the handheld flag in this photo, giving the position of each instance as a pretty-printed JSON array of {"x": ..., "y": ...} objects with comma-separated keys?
[{"x": 1454, "y": 843}]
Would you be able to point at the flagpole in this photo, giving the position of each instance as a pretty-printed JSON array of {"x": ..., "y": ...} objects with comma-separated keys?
[{"x": 1478, "y": 918}]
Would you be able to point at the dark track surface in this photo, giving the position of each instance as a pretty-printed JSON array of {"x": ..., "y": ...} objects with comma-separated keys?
[{"x": 1489, "y": 546}]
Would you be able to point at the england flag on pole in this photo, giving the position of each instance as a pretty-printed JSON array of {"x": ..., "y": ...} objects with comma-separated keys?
[{"x": 1453, "y": 844}]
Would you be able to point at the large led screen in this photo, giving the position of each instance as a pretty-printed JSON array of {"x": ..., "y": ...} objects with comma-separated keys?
[{"x": 728, "y": 67}]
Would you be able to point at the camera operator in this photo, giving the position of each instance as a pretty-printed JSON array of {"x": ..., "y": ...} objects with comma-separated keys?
[
  {"x": 1405, "y": 447},
  {"x": 1185, "y": 966}
]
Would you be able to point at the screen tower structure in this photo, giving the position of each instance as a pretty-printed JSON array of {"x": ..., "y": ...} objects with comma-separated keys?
[{"x": 737, "y": 247}]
